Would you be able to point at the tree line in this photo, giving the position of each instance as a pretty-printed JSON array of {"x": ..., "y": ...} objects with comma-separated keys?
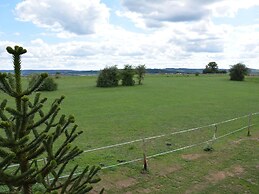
[{"x": 236, "y": 72}]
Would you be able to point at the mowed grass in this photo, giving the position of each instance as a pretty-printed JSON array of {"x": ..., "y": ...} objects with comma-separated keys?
[{"x": 164, "y": 104}]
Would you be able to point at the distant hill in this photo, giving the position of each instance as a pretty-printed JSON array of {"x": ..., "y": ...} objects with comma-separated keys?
[
  {"x": 87, "y": 73},
  {"x": 174, "y": 71},
  {"x": 95, "y": 72},
  {"x": 53, "y": 72},
  {"x": 254, "y": 71}
]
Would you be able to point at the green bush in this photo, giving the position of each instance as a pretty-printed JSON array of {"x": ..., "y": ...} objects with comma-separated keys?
[
  {"x": 237, "y": 72},
  {"x": 127, "y": 75},
  {"x": 108, "y": 77},
  {"x": 48, "y": 85}
]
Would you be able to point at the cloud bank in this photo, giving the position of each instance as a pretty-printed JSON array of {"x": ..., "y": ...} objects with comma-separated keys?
[{"x": 165, "y": 33}]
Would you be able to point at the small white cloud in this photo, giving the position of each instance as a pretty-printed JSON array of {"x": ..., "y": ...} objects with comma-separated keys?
[
  {"x": 17, "y": 33},
  {"x": 78, "y": 17},
  {"x": 37, "y": 41},
  {"x": 230, "y": 8}
]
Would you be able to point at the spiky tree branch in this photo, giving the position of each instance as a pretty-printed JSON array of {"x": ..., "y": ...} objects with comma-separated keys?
[{"x": 30, "y": 133}]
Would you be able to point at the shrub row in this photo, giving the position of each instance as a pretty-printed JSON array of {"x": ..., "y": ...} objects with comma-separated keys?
[{"x": 111, "y": 76}]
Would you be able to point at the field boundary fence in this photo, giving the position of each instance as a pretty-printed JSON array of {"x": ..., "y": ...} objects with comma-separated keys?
[
  {"x": 212, "y": 139},
  {"x": 163, "y": 135}
]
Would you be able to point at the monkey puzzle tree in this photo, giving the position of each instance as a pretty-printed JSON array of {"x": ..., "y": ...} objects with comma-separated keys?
[{"x": 28, "y": 133}]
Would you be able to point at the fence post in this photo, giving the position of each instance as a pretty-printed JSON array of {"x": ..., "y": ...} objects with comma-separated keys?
[
  {"x": 144, "y": 156},
  {"x": 249, "y": 125},
  {"x": 215, "y": 131},
  {"x": 209, "y": 147}
]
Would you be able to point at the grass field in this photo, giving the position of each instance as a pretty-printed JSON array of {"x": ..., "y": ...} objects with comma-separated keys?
[{"x": 165, "y": 104}]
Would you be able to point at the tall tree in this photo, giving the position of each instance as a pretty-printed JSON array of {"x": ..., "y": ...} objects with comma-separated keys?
[
  {"x": 29, "y": 133},
  {"x": 212, "y": 67},
  {"x": 140, "y": 70}
]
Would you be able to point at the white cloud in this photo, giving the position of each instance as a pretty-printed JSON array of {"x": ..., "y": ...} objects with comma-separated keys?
[
  {"x": 78, "y": 17},
  {"x": 175, "y": 45},
  {"x": 230, "y": 8},
  {"x": 155, "y": 13}
]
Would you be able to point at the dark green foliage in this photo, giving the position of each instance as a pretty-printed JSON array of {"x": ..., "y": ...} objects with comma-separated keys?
[
  {"x": 140, "y": 71},
  {"x": 111, "y": 76},
  {"x": 48, "y": 84},
  {"x": 212, "y": 67},
  {"x": 222, "y": 71},
  {"x": 237, "y": 72},
  {"x": 108, "y": 77},
  {"x": 208, "y": 148},
  {"x": 10, "y": 78},
  {"x": 127, "y": 75},
  {"x": 29, "y": 132}
]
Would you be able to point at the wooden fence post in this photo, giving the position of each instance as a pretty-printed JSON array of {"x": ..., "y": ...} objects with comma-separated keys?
[
  {"x": 249, "y": 124},
  {"x": 215, "y": 131},
  {"x": 209, "y": 147},
  {"x": 144, "y": 156}
]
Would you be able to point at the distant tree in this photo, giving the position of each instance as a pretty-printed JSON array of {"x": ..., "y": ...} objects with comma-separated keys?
[
  {"x": 108, "y": 77},
  {"x": 48, "y": 84},
  {"x": 140, "y": 70},
  {"x": 127, "y": 75},
  {"x": 237, "y": 72},
  {"x": 212, "y": 67},
  {"x": 57, "y": 75},
  {"x": 30, "y": 132}
]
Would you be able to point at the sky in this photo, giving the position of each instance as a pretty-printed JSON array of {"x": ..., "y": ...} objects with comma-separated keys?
[{"x": 93, "y": 34}]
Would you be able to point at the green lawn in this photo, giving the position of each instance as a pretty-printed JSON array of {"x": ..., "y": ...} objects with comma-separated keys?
[
  {"x": 165, "y": 104},
  {"x": 159, "y": 106}
]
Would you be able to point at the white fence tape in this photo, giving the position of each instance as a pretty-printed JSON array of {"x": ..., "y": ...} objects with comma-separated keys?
[
  {"x": 167, "y": 152},
  {"x": 154, "y": 137},
  {"x": 163, "y": 135}
]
